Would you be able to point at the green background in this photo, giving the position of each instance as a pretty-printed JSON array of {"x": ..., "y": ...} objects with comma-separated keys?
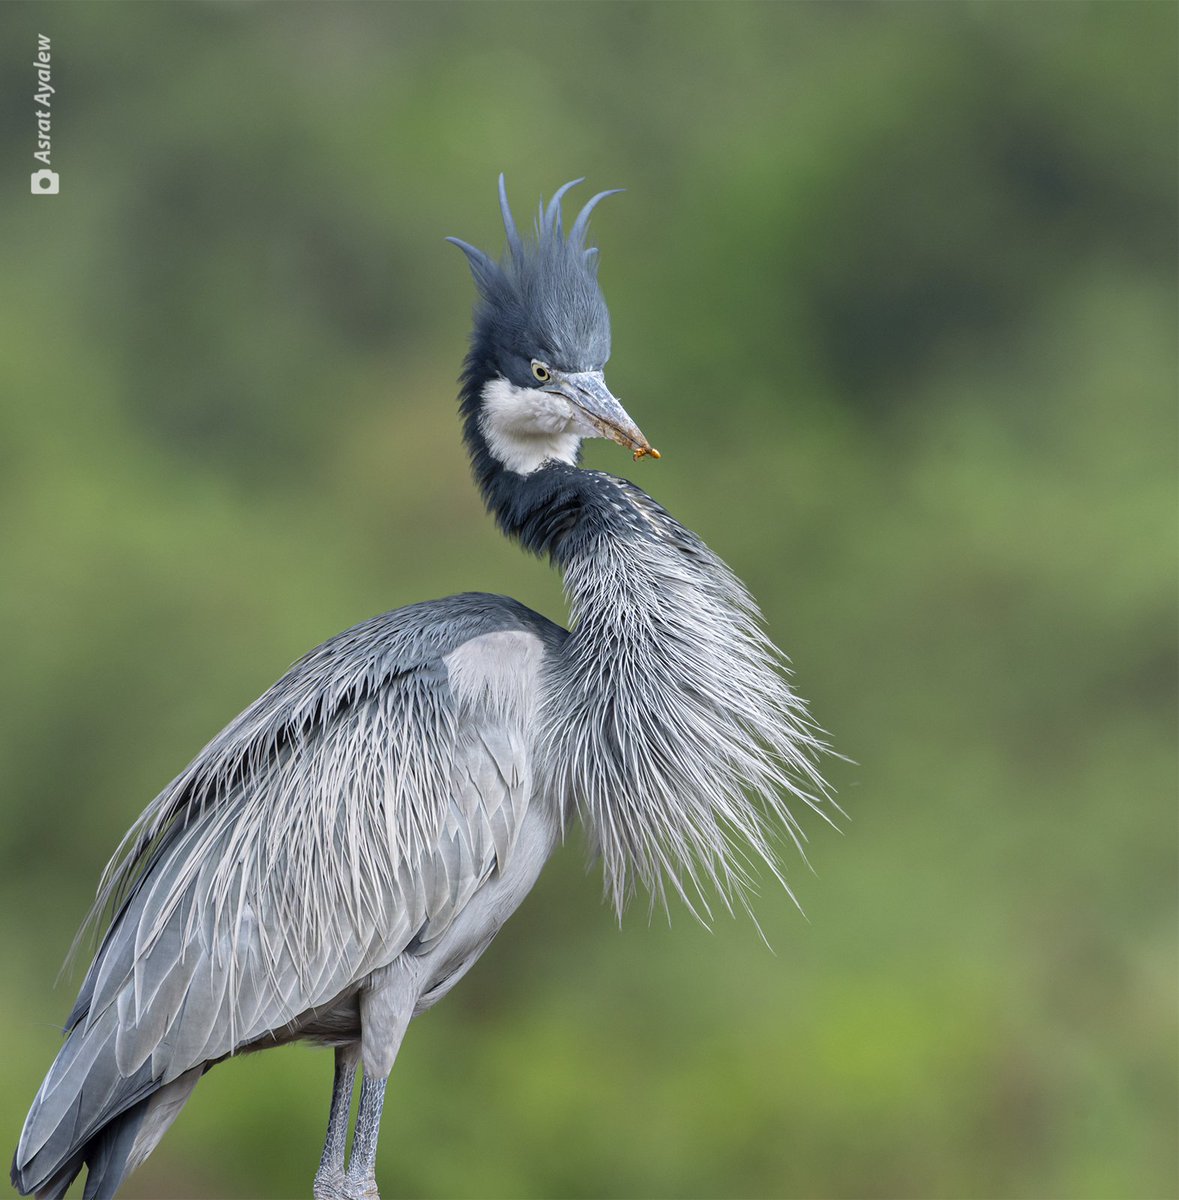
[{"x": 894, "y": 291}]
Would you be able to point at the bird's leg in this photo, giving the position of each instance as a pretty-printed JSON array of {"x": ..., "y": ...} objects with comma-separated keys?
[
  {"x": 329, "y": 1179},
  {"x": 386, "y": 1005},
  {"x": 360, "y": 1182}
]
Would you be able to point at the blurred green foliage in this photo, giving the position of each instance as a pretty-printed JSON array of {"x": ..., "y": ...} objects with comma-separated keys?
[{"x": 894, "y": 291}]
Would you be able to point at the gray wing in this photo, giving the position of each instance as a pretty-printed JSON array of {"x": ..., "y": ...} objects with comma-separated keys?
[{"x": 354, "y": 807}]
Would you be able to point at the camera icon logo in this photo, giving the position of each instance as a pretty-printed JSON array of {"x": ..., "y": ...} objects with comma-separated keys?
[{"x": 44, "y": 182}]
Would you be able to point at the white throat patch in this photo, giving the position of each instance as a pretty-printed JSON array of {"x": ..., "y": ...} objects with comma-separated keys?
[{"x": 526, "y": 427}]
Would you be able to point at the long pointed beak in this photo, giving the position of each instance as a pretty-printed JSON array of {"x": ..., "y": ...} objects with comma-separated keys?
[{"x": 599, "y": 410}]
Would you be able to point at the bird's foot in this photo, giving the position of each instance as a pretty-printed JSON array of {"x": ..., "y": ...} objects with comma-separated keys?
[
  {"x": 329, "y": 1185},
  {"x": 360, "y": 1187}
]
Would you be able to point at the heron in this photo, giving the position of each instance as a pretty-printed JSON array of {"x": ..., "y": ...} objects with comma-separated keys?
[{"x": 335, "y": 860}]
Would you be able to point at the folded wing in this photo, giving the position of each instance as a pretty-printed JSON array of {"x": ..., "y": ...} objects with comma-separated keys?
[{"x": 355, "y": 807}]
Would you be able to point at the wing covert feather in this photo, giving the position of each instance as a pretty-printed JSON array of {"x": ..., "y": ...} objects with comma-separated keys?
[{"x": 343, "y": 814}]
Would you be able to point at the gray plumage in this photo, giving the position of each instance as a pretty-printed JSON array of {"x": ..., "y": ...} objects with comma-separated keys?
[{"x": 337, "y": 858}]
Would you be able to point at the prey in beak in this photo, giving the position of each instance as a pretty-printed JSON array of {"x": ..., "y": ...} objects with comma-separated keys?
[{"x": 597, "y": 412}]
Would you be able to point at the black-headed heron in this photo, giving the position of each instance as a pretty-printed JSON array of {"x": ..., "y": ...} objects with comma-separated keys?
[{"x": 335, "y": 860}]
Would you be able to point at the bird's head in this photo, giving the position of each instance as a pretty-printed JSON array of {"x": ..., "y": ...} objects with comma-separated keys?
[{"x": 542, "y": 337}]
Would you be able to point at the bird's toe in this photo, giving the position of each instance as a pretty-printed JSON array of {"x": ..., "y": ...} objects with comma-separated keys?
[
  {"x": 360, "y": 1187},
  {"x": 329, "y": 1185}
]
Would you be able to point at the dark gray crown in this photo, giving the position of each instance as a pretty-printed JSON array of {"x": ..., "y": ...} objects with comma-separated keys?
[{"x": 542, "y": 298}]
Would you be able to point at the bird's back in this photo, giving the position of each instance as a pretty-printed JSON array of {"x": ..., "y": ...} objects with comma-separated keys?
[{"x": 371, "y": 801}]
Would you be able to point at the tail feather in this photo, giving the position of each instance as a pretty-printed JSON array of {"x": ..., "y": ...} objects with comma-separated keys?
[
  {"x": 128, "y": 1140},
  {"x": 111, "y": 1152},
  {"x": 108, "y": 1156},
  {"x": 82, "y": 1093},
  {"x": 56, "y": 1186}
]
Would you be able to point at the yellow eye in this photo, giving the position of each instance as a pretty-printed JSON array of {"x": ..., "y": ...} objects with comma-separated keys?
[{"x": 541, "y": 372}]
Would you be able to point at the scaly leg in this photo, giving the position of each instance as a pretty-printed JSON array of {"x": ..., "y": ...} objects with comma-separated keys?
[
  {"x": 360, "y": 1182},
  {"x": 329, "y": 1179},
  {"x": 386, "y": 1005}
]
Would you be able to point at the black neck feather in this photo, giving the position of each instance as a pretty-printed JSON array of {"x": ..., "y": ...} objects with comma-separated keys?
[{"x": 547, "y": 511}]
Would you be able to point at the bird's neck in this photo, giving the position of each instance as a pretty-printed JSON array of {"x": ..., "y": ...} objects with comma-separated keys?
[
  {"x": 667, "y": 720},
  {"x": 539, "y": 509},
  {"x": 669, "y": 723},
  {"x": 569, "y": 514}
]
